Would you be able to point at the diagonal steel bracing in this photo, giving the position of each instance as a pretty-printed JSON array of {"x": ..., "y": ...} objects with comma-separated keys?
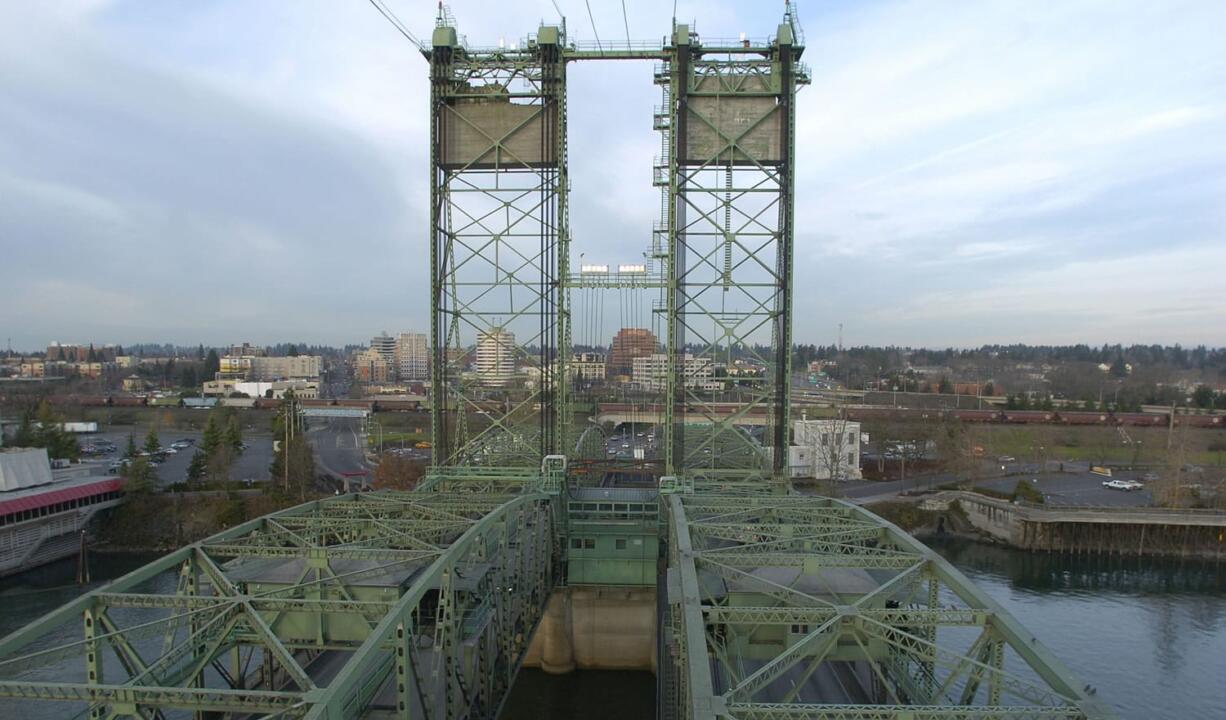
[
  {"x": 877, "y": 614},
  {"x": 285, "y": 600}
]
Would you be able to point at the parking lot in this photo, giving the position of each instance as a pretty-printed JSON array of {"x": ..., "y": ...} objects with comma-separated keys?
[{"x": 252, "y": 464}]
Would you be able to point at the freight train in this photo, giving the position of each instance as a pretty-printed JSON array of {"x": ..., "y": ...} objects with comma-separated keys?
[
  {"x": 1048, "y": 417},
  {"x": 123, "y": 400}
]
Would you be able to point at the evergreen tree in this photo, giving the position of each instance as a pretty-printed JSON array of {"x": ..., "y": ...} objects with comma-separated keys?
[
  {"x": 51, "y": 435},
  {"x": 234, "y": 434},
  {"x": 118, "y": 350},
  {"x": 212, "y": 435},
  {"x": 26, "y": 436},
  {"x": 152, "y": 444},
  {"x": 212, "y": 365},
  {"x": 140, "y": 477},
  {"x": 198, "y": 467},
  {"x": 131, "y": 451},
  {"x": 292, "y": 351},
  {"x": 200, "y": 352},
  {"x": 1202, "y": 397}
]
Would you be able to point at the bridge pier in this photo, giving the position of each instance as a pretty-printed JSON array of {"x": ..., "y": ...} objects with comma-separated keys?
[{"x": 596, "y": 628}]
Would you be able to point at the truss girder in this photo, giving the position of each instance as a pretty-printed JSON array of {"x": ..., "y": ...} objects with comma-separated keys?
[
  {"x": 151, "y": 650},
  {"x": 753, "y": 627}
]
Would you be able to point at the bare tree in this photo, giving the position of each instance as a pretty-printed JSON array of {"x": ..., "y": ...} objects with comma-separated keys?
[{"x": 832, "y": 449}]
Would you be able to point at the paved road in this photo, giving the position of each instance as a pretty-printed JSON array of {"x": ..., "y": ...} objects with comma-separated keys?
[
  {"x": 339, "y": 445},
  {"x": 1060, "y": 488}
]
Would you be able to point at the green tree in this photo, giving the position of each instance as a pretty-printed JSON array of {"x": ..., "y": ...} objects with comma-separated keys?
[
  {"x": 1119, "y": 368},
  {"x": 26, "y": 437},
  {"x": 140, "y": 477},
  {"x": 1202, "y": 397},
  {"x": 152, "y": 443},
  {"x": 946, "y": 387},
  {"x": 234, "y": 434},
  {"x": 198, "y": 467},
  {"x": 50, "y": 434},
  {"x": 212, "y": 365},
  {"x": 212, "y": 435},
  {"x": 131, "y": 451},
  {"x": 292, "y": 350}
]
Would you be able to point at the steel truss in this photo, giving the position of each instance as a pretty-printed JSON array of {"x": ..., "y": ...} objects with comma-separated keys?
[
  {"x": 425, "y": 601},
  {"x": 498, "y": 249},
  {"x": 728, "y": 123},
  {"x": 773, "y": 599}
]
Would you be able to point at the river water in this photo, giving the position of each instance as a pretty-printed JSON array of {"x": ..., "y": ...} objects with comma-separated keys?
[{"x": 1150, "y": 635}]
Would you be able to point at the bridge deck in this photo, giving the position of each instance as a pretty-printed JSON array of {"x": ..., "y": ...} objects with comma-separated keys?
[
  {"x": 784, "y": 606},
  {"x": 308, "y": 612}
]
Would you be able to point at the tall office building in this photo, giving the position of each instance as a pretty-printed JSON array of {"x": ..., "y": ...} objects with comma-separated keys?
[
  {"x": 495, "y": 357},
  {"x": 385, "y": 345},
  {"x": 412, "y": 357},
  {"x": 628, "y": 344}
]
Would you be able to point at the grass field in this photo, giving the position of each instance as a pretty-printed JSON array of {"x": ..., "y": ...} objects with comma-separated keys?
[{"x": 1143, "y": 446}]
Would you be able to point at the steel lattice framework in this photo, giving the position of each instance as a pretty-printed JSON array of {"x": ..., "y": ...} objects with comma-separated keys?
[
  {"x": 772, "y": 600},
  {"x": 387, "y": 602},
  {"x": 498, "y": 246},
  {"x": 728, "y": 165}
]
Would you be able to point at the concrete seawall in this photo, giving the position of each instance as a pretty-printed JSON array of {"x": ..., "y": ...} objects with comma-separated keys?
[
  {"x": 1119, "y": 531},
  {"x": 596, "y": 628}
]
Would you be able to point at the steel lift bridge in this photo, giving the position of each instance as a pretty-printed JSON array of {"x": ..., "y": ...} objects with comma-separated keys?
[{"x": 768, "y": 604}]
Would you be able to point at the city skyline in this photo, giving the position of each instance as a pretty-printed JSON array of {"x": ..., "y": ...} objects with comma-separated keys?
[{"x": 196, "y": 174}]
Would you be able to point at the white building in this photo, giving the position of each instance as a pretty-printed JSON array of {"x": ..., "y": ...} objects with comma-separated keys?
[
  {"x": 588, "y": 366},
  {"x": 495, "y": 357},
  {"x": 833, "y": 449},
  {"x": 650, "y": 373},
  {"x": 412, "y": 354}
]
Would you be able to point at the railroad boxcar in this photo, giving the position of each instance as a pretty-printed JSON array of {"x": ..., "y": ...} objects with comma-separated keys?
[
  {"x": 1201, "y": 421},
  {"x": 979, "y": 416},
  {"x": 1142, "y": 419},
  {"x": 1085, "y": 418},
  {"x": 1029, "y": 416}
]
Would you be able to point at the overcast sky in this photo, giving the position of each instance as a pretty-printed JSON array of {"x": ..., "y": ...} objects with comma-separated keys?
[{"x": 1042, "y": 172}]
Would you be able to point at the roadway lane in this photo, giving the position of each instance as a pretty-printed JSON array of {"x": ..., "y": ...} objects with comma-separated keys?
[{"x": 339, "y": 445}]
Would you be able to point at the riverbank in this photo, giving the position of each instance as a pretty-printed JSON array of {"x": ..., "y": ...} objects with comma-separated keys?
[{"x": 1123, "y": 531}]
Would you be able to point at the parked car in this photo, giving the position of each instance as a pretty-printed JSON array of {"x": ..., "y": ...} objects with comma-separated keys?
[
  {"x": 1150, "y": 477},
  {"x": 1006, "y": 458},
  {"x": 1125, "y": 485}
]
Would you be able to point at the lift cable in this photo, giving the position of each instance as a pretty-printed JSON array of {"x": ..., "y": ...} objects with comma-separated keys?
[
  {"x": 395, "y": 21},
  {"x": 593, "y": 21}
]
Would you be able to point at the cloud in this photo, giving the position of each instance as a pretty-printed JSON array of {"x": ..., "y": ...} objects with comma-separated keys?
[{"x": 1001, "y": 170}]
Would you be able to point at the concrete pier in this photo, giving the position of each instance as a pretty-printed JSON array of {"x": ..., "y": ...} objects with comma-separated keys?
[{"x": 596, "y": 628}]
